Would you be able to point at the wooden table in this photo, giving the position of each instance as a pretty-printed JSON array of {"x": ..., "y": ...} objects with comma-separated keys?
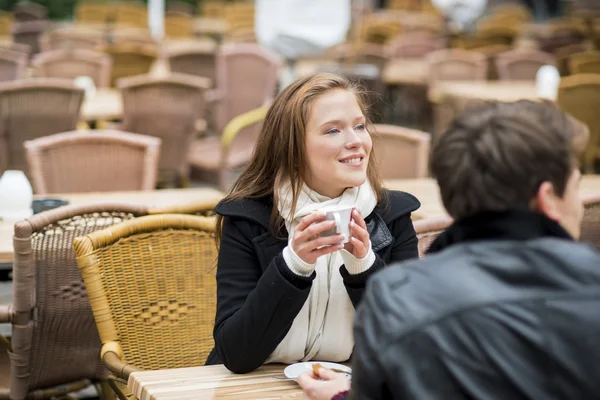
[
  {"x": 405, "y": 71},
  {"x": 213, "y": 382},
  {"x": 106, "y": 104},
  {"x": 484, "y": 90},
  {"x": 151, "y": 198}
]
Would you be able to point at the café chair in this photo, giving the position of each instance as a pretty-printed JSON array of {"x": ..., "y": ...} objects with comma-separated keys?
[
  {"x": 151, "y": 283},
  {"x": 13, "y": 64},
  {"x": 456, "y": 64},
  {"x": 29, "y": 11},
  {"x": 516, "y": 65},
  {"x": 6, "y": 23},
  {"x": 72, "y": 37},
  {"x": 587, "y": 62},
  {"x": 73, "y": 63},
  {"x": 29, "y": 33},
  {"x": 130, "y": 58},
  {"x": 428, "y": 229},
  {"x": 590, "y": 224},
  {"x": 203, "y": 207},
  {"x": 403, "y": 153},
  {"x": 93, "y": 161},
  {"x": 55, "y": 344},
  {"x": 179, "y": 25}
]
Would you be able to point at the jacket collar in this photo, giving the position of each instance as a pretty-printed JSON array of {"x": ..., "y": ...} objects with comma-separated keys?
[{"x": 516, "y": 225}]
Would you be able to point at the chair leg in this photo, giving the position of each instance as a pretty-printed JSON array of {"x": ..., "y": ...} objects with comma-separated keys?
[{"x": 104, "y": 391}]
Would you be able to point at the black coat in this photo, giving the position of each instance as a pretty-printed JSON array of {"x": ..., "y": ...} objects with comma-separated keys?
[
  {"x": 258, "y": 296},
  {"x": 507, "y": 307}
]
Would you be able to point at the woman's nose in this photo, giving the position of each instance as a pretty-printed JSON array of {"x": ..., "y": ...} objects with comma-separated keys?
[{"x": 352, "y": 139}]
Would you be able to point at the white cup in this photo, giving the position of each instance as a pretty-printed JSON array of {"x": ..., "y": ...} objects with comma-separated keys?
[{"x": 342, "y": 215}]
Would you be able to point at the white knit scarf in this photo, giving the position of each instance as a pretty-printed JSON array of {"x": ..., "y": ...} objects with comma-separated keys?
[{"x": 322, "y": 329}]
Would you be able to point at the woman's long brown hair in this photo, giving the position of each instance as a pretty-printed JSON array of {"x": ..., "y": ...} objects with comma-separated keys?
[{"x": 280, "y": 152}]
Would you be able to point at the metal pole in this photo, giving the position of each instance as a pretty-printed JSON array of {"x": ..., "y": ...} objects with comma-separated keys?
[{"x": 156, "y": 19}]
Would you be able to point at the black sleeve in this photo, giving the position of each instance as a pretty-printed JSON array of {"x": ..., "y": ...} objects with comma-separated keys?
[
  {"x": 404, "y": 247},
  {"x": 255, "y": 309}
]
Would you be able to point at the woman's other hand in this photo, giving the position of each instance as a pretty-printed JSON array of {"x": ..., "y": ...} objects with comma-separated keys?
[
  {"x": 307, "y": 242},
  {"x": 360, "y": 240}
]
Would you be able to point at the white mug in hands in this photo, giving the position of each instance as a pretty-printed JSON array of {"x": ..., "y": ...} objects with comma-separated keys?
[{"x": 342, "y": 216}]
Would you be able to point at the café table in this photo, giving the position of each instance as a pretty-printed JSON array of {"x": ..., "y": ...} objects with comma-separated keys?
[
  {"x": 213, "y": 382},
  {"x": 105, "y": 105},
  {"x": 156, "y": 198}
]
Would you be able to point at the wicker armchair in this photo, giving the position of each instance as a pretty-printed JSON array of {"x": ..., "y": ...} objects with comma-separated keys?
[
  {"x": 246, "y": 79},
  {"x": 130, "y": 13},
  {"x": 95, "y": 161},
  {"x": 13, "y": 65},
  {"x": 215, "y": 158},
  {"x": 94, "y": 12},
  {"x": 590, "y": 224},
  {"x": 402, "y": 152},
  {"x": 194, "y": 58},
  {"x": 587, "y": 62},
  {"x": 368, "y": 53},
  {"x": 72, "y": 38},
  {"x": 409, "y": 45},
  {"x": 55, "y": 343},
  {"x": 204, "y": 208},
  {"x": 34, "y": 108},
  {"x": 428, "y": 229},
  {"x": 70, "y": 64},
  {"x": 562, "y": 55},
  {"x": 456, "y": 64},
  {"x": 180, "y": 7},
  {"x": 29, "y": 11},
  {"x": 522, "y": 65},
  {"x": 579, "y": 95},
  {"x": 29, "y": 33},
  {"x": 130, "y": 59},
  {"x": 6, "y": 23},
  {"x": 166, "y": 107},
  {"x": 157, "y": 309},
  {"x": 178, "y": 25}
]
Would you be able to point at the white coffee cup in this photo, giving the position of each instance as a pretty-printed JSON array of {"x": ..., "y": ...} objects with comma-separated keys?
[{"x": 342, "y": 215}]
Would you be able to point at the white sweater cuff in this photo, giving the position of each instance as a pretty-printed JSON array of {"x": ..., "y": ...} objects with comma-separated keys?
[
  {"x": 355, "y": 265},
  {"x": 296, "y": 264}
]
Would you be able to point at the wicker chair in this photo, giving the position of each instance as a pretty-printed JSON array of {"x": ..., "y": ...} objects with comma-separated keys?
[
  {"x": 132, "y": 14},
  {"x": 204, "y": 208},
  {"x": 522, "y": 65},
  {"x": 194, "y": 58},
  {"x": 29, "y": 33},
  {"x": 368, "y": 53},
  {"x": 54, "y": 339},
  {"x": 34, "y": 108},
  {"x": 215, "y": 158},
  {"x": 29, "y": 11},
  {"x": 579, "y": 95},
  {"x": 456, "y": 64},
  {"x": 590, "y": 224},
  {"x": 70, "y": 64},
  {"x": 180, "y": 7},
  {"x": 587, "y": 62},
  {"x": 13, "y": 65},
  {"x": 428, "y": 229},
  {"x": 71, "y": 38},
  {"x": 6, "y": 23},
  {"x": 246, "y": 79},
  {"x": 94, "y": 13},
  {"x": 130, "y": 59},
  {"x": 166, "y": 107},
  {"x": 112, "y": 161},
  {"x": 157, "y": 309},
  {"x": 562, "y": 54},
  {"x": 402, "y": 152},
  {"x": 410, "y": 45},
  {"x": 178, "y": 25}
]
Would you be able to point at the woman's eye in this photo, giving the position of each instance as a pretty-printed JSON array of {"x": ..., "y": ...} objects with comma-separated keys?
[
  {"x": 360, "y": 127},
  {"x": 332, "y": 131}
]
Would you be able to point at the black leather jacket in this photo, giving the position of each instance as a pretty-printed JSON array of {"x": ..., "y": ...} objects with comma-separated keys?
[
  {"x": 258, "y": 296},
  {"x": 508, "y": 307}
]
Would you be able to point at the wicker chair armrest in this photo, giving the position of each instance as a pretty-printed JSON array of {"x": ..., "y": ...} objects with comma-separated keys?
[
  {"x": 213, "y": 96},
  {"x": 111, "y": 357},
  {"x": 6, "y": 313},
  {"x": 237, "y": 124}
]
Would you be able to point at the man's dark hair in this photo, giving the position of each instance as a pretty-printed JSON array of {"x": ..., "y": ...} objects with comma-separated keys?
[{"x": 495, "y": 157}]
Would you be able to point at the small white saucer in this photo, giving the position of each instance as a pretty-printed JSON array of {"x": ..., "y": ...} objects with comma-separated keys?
[{"x": 295, "y": 370}]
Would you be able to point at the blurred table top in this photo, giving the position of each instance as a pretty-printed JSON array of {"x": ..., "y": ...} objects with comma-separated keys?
[
  {"x": 484, "y": 90},
  {"x": 405, "y": 71},
  {"x": 213, "y": 382},
  {"x": 155, "y": 198},
  {"x": 105, "y": 104}
]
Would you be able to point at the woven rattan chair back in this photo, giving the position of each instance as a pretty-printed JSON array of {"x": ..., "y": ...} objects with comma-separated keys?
[
  {"x": 166, "y": 107},
  {"x": 72, "y": 38},
  {"x": 590, "y": 224},
  {"x": 94, "y": 161},
  {"x": 587, "y": 62},
  {"x": 204, "y": 208},
  {"x": 579, "y": 95},
  {"x": 13, "y": 64},
  {"x": 87, "y": 12},
  {"x": 70, "y": 64},
  {"x": 34, "y": 108},
  {"x": 131, "y": 14},
  {"x": 194, "y": 58},
  {"x": 6, "y": 23},
  {"x": 522, "y": 65},
  {"x": 29, "y": 11},
  {"x": 456, "y": 64},
  {"x": 402, "y": 152},
  {"x": 428, "y": 229},
  {"x": 158, "y": 306},
  {"x": 178, "y": 25},
  {"x": 130, "y": 59},
  {"x": 29, "y": 33},
  {"x": 54, "y": 338}
]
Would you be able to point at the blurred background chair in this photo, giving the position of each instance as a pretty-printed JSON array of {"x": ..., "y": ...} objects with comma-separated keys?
[
  {"x": 55, "y": 345},
  {"x": 587, "y": 62},
  {"x": 131, "y": 14},
  {"x": 562, "y": 54},
  {"x": 130, "y": 59},
  {"x": 6, "y": 23},
  {"x": 71, "y": 38},
  {"x": 428, "y": 229},
  {"x": 29, "y": 11},
  {"x": 410, "y": 45},
  {"x": 579, "y": 95},
  {"x": 456, "y": 64},
  {"x": 88, "y": 12},
  {"x": 194, "y": 58},
  {"x": 402, "y": 152},
  {"x": 157, "y": 309},
  {"x": 13, "y": 65},
  {"x": 522, "y": 64},
  {"x": 167, "y": 107},
  {"x": 92, "y": 161},
  {"x": 29, "y": 33},
  {"x": 216, "y": 158},
  {"x": 70, "y": 64},
  {"x": 590, "y": 224},
  {"x": 178, "y": 25},
  {"x": 34, "y": 108},
  {"x": 180, "y": 7}
]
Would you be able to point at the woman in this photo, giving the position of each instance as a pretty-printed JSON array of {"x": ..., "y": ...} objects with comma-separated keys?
[{"x": 285, "y": 293}]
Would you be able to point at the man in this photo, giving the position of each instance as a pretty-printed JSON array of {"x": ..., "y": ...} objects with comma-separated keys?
[{"x": 507, "y": 303}]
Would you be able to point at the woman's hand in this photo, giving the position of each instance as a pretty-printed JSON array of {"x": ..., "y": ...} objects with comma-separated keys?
[
  {"x": 360, "y": 240},
  {"x": 308, "y": 245},
  {"x": 323, "y": 387}
]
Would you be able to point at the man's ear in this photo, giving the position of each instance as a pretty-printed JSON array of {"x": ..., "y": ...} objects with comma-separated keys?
[{"x": 545, "y": 201}]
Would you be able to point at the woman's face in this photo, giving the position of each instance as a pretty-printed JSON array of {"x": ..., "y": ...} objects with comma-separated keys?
[{"x": 337, "y": 144}]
